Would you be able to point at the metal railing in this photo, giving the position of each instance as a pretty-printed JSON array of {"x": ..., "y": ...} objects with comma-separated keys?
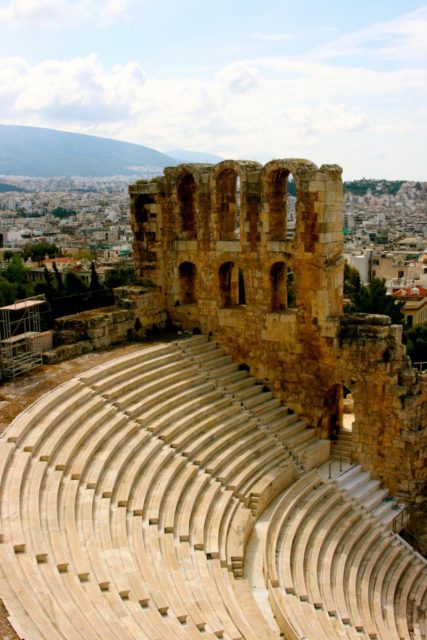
[{"x": 400, "y": 521}]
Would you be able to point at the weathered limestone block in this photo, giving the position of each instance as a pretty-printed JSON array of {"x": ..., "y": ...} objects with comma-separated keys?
[
  {"x": 66, "y": 352},
  {"x": 269, "y": 285}
]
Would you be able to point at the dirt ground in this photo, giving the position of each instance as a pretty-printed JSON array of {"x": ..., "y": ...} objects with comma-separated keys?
[{"x": 18, "y": 394}]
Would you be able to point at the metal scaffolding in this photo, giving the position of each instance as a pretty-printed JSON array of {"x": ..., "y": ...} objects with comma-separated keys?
[{"x": 20, "y": 336}]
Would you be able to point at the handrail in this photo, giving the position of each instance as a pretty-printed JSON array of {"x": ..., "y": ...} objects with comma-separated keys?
[{"x": 400, "y": 520}]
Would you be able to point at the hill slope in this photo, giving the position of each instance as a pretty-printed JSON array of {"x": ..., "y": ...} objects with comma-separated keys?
[{"x": 33, "y": 151}]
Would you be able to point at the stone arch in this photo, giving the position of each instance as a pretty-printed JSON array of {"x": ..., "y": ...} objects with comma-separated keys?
[
  {"x": 187, "y": 282},
  {"x": 281, "y": 185},
  {"x": 226, "y": 197},
  {"x": 278, "y": 288},
  {"x": 186, "y": 197},
  {"x": 228, "y": 284},
  {"x": 229, "y": 198}
]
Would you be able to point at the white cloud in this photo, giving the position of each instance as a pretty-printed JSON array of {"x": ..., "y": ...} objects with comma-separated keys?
[
  {"x": 76, "y": 91},
  {"x": 274, "y": 37},
  {"x": 403, "y": 38},
  {"x": 239, "y": 77},
  {"x": 111, "y": 11},
  {"x": 271, "y": 107},
  {"x": 60, "y": 14}
]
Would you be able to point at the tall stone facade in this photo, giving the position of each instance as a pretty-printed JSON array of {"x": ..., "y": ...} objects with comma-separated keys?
[{"x": 232, "y": 252}]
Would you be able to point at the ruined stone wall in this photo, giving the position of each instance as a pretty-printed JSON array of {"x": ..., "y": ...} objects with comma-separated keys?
[
  {"x": 214, "y": 239},
  {"x": 229, "y": 256},
  {"x": 136, "y": 311},
  {"x": 390, "y": 399}
]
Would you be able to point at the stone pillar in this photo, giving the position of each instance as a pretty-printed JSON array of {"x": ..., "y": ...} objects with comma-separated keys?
[{"x": 146, "y": 219}]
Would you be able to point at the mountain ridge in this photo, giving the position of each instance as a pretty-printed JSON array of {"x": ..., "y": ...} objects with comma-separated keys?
[{"x": 44, "y": 152}]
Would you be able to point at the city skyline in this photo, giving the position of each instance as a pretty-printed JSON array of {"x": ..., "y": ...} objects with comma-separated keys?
[{"x": 246, "y": 80}]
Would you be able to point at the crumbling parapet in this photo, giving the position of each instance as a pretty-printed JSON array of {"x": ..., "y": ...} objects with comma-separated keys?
[
  {"x": 137, "y": 310},
  {"x": 390, "y": 399}
]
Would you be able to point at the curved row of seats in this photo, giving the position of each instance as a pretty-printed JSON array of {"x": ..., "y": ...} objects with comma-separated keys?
[
  {"x": 333, "y": 571},
  {"x": 125, "y": 505},
  {"x": 129, "y": 495}
]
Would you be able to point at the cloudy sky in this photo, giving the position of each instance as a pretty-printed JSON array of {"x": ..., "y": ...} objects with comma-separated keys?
[{"x": 335, "y": 81}]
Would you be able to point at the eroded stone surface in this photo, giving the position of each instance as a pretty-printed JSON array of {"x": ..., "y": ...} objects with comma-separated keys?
[{"x": 231, "y": 252}]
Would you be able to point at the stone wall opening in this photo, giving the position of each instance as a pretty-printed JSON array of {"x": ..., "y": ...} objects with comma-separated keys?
[
  {"x": 142, "y": 217},
  {"x": 228, "y": 202},
  {"x": 142, "y": 211},
  {"x": 281, "y": 196},
  {"x": 252, "y": 221},
  {"x": 291, "y": 220},
  {"x": 186, "y": 194},
  {"x": 242, "y": 291},
  {"x": 227, "y": 285},
  {"x": 348, "y": 409},
  {"x": 330, "y": 422},
  {"x": 278, "y": 288},
  {"x": 187, "y": 283}
]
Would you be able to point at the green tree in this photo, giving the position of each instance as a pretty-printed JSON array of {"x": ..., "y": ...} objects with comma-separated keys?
[
  {"x": 60, "y": 212},
  {"x": 49, "y": 289},
  {"x": 8, "y": 254},
  {"x": 37, "y": 251},
  {"x": 8, "y": 292},
  {"x": 352, "y": 281},
  {"x": 58, "y": 277},
  {"x": 375, "y": 299},
  {"x": 16, "y": 272},
  {"x": 94, "y": 279},
  {"x": 416, "y": 342},
  {"x": 372, "y": 298},
  {"x": 120, "y": 277},
  {"x": 74, "y": 284}
]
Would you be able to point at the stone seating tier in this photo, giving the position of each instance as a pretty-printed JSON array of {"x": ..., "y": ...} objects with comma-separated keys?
[{"x": 129, "y": 495}]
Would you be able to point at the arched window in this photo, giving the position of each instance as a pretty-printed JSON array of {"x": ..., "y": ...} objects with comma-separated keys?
[
  {"x": 282, "y": 202},
  {"x": 227, "y": 286},
  {"x": 141, "y": 206},
  {"x": 278, "y": 286},
  {"x": 187, "y": 282},
  {"x": 186, "y": 194},
  {"x": 228, "y": 202}
]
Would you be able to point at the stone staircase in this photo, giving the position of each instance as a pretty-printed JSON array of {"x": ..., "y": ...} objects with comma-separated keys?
[
  {"x": 361, "y": 487},
  {"x": 341, "y": 448}
]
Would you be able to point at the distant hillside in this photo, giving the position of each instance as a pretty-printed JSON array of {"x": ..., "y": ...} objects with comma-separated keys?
[
  {"x": 37, "y": 152},
  {"x": 184, "y": 155},
  {"x": 378, "y": 187},
  {"x": 5, "y": 188}
]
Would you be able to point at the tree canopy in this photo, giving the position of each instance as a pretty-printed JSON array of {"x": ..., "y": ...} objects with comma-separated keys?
[
  {"x": 37, "y": 251},
  {"x": 372, "y": 298}
]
